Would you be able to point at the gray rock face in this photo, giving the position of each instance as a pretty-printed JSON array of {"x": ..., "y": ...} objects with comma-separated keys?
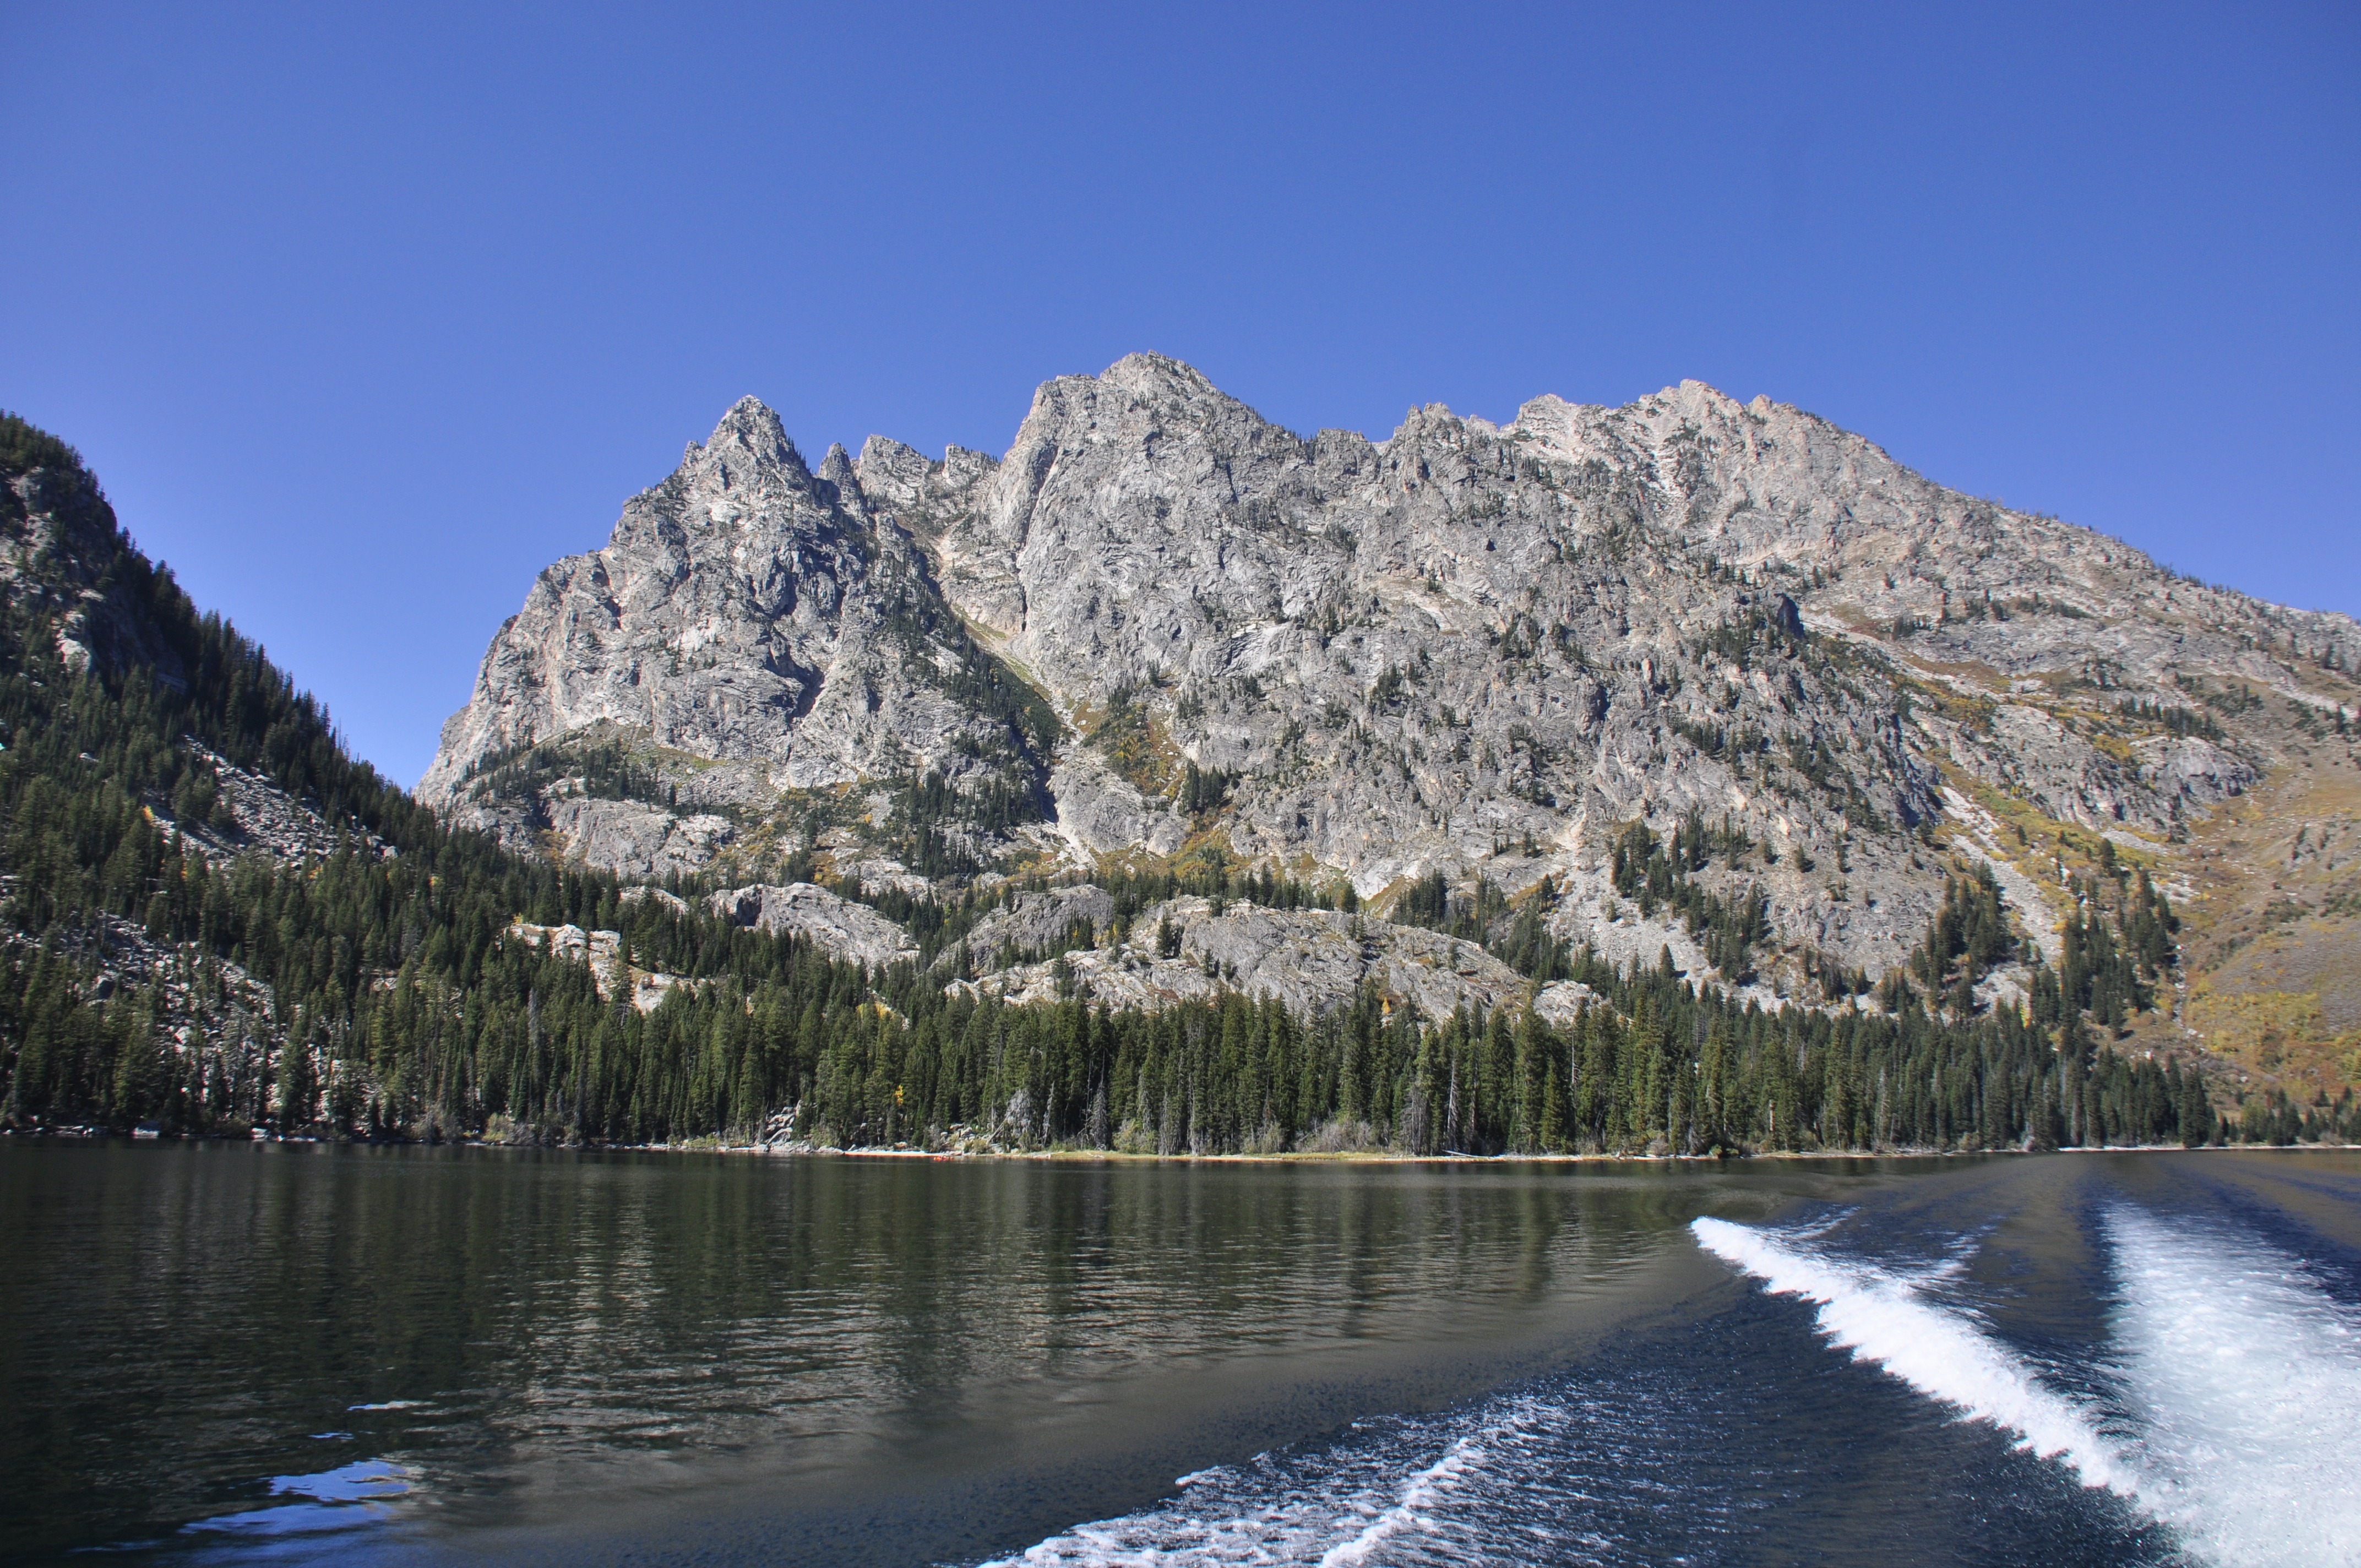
[
  {"x": 746, "y": 611},
  {"x": 837, "y": 926},
  {"x": 1100, "y": 812},
  {"x": 1470, "y": 649},
  {"x": 2058, "y": 769},
  {"x": 636, "y": 840},
  {"x": 1035, "y": 921},
  {"x": 1561, "y": 1003},
  {"x": 1311, "y": 961},
  {"x": 1415, "y": 651}
]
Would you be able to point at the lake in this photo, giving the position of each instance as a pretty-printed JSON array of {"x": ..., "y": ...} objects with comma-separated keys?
[{"x": 224, "y": 1352}]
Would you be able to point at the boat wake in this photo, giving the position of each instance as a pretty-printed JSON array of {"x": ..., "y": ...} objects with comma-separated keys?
[
  {"x": 1336, "y": 1509},
  {"x": 2243, "y": 1378},
  {"x": 2218, "y": 1429},
  {"x": 2237, "y": 1380},
  {"x": 1545, "y": 1476},
  {"x": 1885, "y": 1318}
]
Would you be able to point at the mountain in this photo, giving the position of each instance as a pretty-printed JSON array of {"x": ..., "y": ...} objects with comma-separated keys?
[
  {"x": 1516, "y": 658},
  {"x": 1671, "y": 779},
  {"x": 756, "y": 624}
]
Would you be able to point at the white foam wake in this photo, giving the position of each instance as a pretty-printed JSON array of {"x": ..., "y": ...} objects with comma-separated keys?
[
  {"x": 2244, "y": 1378},
  {"x": 1884, "y": 1317},
  {"x": 1420, "y": 1492},
  {"x": 1340, "y": 1511}
]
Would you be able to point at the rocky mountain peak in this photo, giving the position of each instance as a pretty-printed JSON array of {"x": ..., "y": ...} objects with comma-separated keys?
[
  {"x": 751, "y": 433},
  {"x": 1162, "y": 626},
  {"x": 748, "y": 620},
  {"x": 1153, "y": 377}
]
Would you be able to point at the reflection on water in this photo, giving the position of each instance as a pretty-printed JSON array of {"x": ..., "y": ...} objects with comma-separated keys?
[
  {"x": 350, "y": 1496},
  {"x": 586, "y": 1358},
  {"x": 550, "y": 1333}
]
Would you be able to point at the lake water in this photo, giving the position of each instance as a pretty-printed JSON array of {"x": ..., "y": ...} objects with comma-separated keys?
[{"x": 218, "y": 1351}]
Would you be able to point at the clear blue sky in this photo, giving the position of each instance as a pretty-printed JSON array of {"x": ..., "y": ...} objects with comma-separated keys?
[{"x": 366, "y": 315}]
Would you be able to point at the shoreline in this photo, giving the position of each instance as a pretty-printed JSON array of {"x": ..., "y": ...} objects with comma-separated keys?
[
  {"x": 1116, "y": 1156},
  {"x": 1119, "y": 1156}
]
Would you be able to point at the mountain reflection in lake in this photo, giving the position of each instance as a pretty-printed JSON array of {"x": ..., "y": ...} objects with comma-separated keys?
[{"x": 218, "y": 1351}]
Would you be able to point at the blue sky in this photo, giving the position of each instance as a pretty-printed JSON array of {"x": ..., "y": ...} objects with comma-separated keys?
[{"x": 366, "y": 315}]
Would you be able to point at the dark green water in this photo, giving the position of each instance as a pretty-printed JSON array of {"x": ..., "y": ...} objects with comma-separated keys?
[{"x": 291, "y": 1351}]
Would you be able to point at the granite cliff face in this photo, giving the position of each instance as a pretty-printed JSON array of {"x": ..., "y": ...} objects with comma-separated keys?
[
  {"x": 1163, "y": 627},
  {"x": 755, "y": 628}
]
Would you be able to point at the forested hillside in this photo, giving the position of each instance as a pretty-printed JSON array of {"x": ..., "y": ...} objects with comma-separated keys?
[{"x": 218, "y": 921}]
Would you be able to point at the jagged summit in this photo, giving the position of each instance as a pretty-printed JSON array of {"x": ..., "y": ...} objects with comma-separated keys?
[
  {"x": 751, "y": 426},
  {"x": 744, "y": 613},
  {"x": 749, "y": 439},
  {"x": 1476, "y": 651},
  {"x": 1158, "y": 375}
]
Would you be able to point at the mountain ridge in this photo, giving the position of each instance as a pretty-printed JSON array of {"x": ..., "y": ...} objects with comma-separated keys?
[{"x": 1484, "y": 652}]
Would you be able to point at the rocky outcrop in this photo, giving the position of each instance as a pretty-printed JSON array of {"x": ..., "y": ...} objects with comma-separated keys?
[
  {"x": 2192, "y": 770},
  {"x": 2068, "y": 776},
  {"x": 836, "y": 926},
  {"x": 643, "y": 989},
  {"x": 634, "y": 839},
  {"x": 1101, "y": 813},
  {"x": 1034, "y": 923},
  {"x": 57, "y": 536},
  {"x": 1311, "y": 961},
  {"x": 1560, "y": 1003}
]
